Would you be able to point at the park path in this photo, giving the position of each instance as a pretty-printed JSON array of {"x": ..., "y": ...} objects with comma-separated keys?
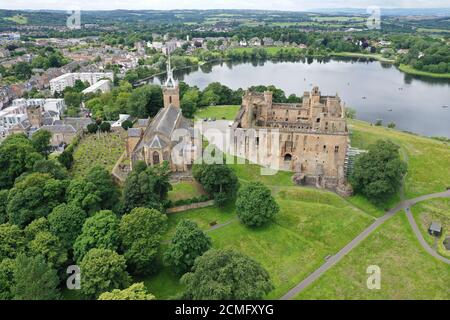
[{"x": 403, "y": 205}]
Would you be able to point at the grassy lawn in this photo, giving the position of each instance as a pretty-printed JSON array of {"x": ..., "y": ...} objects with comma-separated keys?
[
  {"x": 97, "y": 149},
  {"x": 410, "y": 70},
  {"x": 407, "y": 271},
  {"x": 19, "y": 19},
  {"x": 185, "y": 190},
  {"x": 218, "y": 112},
  {"x": 434, "y": 210},
  {"x": 428, "y": 159},
  {"x": 311, "y": 225}
]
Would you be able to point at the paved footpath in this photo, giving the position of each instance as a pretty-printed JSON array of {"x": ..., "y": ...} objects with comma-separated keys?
[{"x": 404, "y": 205}]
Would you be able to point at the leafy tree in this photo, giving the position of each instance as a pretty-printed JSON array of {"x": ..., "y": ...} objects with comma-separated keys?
[
  {"x": 226, "y": 275},
  {"x": 66, "y": 158},
  {"x": 106, "y": 189},
  {"x": 41, "y": 141},
  {"x": 12, "y": 241},
  {"x": 34, "y": 279},
  {"x": 34, "y": 196},
  {"x": 103, "y": 270},
  {"x": 22, "y": 70},
  {"x": 3, "y": 204},
  {"x": 6, "y": 278},
  {"x": 218, "y": 180},
  {"x": 127, "y": 124},
  {"x": 136, "y": 291},
  {"x": 52, "y": 167},
  {"x": 255, "y": 205},
  {"x": 92, "y": 127},
  {"x": 50, "y": 247},
  {"x": 84, "y": 194},
  {"x": 146, "y": 187},
  {"x": 105, "y": 127},
  {"x": 66, "y": 221},
  {"x": 145, "y": 101},
  {"x": 17, "y": 155},
  {"x": 378, "y": 173},
  {"x": 188, "y": 243},
  {"x": 189, "y": 102},
  {"x": 35, "y": 227},
  {"x": 141, "y": 231},
  {"x": 72, "y": 99},
  {"x": 99, "y": 231}
]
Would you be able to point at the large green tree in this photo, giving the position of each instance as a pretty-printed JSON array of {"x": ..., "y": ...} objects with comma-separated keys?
[
  {"x": 66, "y": 221},
  {"x": 12, "y": 241},
  {"x": 146, "y": 187},
  {"x": 141, "y": 231},
  {"x": 188, "y": 243},
  {"x": 50, "y": 247},
  {"x": 378, "y": 173},
  {"x": 226, "y": 275},
  {"x": 99, "y": 231},
  {"x": 255, "y": 205},
  {"x": 41, "y": 141},
  {"x": 145, "y": 101},
  {"x": 51, "y": 167},
  {"x": 17, "y": 155},
  {"x": 3, "y": 206},
  {"x": 6, "y": 278},
  {"x": 136, "y": 291},
  {"x": 218, "y": 180},
  {"x": 34, "y": 196},
  {"x": 34, "y": 279},
  {"x": 103, "y": 270}
]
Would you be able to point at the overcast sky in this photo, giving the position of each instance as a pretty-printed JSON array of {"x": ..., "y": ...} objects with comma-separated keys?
[{"x": 288, "y": 5}]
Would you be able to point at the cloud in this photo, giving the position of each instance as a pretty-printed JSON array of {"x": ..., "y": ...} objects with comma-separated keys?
[{"x": 288, "y": 5}]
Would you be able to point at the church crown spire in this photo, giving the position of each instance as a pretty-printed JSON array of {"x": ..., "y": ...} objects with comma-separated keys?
[{"x": 170, "y": 82}]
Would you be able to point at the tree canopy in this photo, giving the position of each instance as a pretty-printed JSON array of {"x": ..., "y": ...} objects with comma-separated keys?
[
  {"x": 218, "y": 180},
  {"x": 103, "y": 270},
  {"x": 378, "y": 173},
  {"x": 226, "y": 275},
  {"x": 255, "y": 205},
  {"x": 188, "y": 243},
  {"x": 66, "y": 221},
  {"x": 136, "y": 291},
  {"x": 141, "y": 231},
  {"x": 99, "y": 231},
  {"x": 17, "y": 155}
]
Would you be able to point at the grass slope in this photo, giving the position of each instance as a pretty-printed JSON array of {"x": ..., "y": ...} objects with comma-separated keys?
[
  {"x": 407, "y": 271},
  {"x": 218, "y": 112},
  {"x": 410, "y": 70}
]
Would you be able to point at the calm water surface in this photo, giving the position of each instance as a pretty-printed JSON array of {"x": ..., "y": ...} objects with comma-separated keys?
[{"x": 375, "y": 90}]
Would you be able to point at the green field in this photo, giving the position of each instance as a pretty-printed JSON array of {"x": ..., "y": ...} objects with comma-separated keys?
[
  {"x": 410, "y": 70},
  {"x": 407, "y": 271},
  {"x": 311, "y": 225},
  {"x": 218, "y": 112},
  {"x": 19, "y": 19},
  {"x": 185, "y": 190},
  {"x": 434, "y": 210},
  {"x": 102, "y": 149}
]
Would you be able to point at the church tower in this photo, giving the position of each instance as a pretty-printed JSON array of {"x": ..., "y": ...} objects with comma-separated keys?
[
  {"x": 171, "y": 92},
  {"x": 34, "y": 114}
]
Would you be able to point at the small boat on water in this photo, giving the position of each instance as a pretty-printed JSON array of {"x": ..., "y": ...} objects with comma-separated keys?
[
  {"x": 445, "y": 106},
  {"x": 364, "y": 98},
  {"x": 390, "y": 110}
]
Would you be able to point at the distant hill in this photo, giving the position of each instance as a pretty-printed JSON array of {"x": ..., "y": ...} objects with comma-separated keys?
[{"x": 440, "y": 12}]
